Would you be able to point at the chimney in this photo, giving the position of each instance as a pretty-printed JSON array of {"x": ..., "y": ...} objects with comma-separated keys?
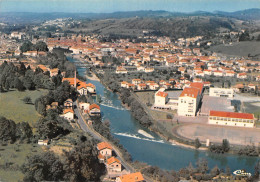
[{"x": 75, "y": 80}]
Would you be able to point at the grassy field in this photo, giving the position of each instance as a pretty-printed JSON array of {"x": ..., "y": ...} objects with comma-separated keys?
[
  {"x": 158, "y": 115},
  {"x": 15, "y": 154},
  {"x": 12, "y": 106},
  {"x": 148, "y": 97},
  {"x": 239, "y": 49}
]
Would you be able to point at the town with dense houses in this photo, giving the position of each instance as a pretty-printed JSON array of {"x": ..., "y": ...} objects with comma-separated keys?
[{"x": 178, "y": 89}]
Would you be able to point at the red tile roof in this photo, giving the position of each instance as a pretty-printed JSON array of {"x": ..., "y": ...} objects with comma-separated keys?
[
  {"x": 190, "y": 92},
  {"x": 133, "y": 177},
  {"x": 92, "y": 106},
  {"x": 111, "y": 160},
  {"x": 162, "y": 94},
  {"x": 103, "y": 145},
  {"x": 197, "y": 85},
  {"x": 231, "y": 114},
  {"x": 68, "y": 110}
]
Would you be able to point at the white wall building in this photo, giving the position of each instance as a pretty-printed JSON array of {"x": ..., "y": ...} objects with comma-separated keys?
[
  {"x": 188, "y": 102},
  {"x": 221, "y": 92},
  {"x": 161, "y": 98},
  {"x": 231, "y": 119}
]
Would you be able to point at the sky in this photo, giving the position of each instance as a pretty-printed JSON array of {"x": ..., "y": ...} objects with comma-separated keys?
[{"x": 108, "y": 6}]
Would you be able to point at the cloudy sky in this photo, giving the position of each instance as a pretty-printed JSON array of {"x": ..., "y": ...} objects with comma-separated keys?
[{"x": 106, "y": 6}]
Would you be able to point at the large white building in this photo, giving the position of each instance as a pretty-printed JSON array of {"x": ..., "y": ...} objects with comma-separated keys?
[
  {"x": 221, "y": 92},
  {"x": 166, "y": 100},
  {"x": 160, "y": 99},
  {"x": 231, "y": 119},
  {"x": 189, "y": 100}
]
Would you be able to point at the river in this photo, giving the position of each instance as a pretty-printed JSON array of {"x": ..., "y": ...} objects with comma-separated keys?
[{"x": 146, "y": 146}]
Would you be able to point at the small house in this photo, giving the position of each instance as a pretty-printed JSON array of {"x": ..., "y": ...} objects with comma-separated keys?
[{"x": 113, "y": 165}]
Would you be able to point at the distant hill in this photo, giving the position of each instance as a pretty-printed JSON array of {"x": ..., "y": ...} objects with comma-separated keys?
[
  {"x": 249, "y": 14},
  {"x": 26, "y": 17}
]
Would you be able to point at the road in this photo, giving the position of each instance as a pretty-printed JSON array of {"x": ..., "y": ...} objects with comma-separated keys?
[{"x": 86, "y": 128}]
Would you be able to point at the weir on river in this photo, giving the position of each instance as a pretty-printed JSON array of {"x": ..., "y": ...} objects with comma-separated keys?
[{"x": 146, "y": 146}]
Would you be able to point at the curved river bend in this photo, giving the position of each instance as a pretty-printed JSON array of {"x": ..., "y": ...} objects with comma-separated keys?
[{"x": 146, "y": 146}]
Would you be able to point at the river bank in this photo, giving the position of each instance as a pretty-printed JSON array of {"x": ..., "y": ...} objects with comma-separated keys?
[
  {"x": 157, "y": 152},
  {"x": 92, "y": 77}
]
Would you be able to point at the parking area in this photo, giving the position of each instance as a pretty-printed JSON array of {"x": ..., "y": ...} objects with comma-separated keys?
[{"x": 215, "y": 103}]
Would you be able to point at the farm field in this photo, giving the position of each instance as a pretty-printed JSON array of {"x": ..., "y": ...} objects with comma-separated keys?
[
  {"x": 14, "y": 155},
  {"x": 12, "y": 105}
]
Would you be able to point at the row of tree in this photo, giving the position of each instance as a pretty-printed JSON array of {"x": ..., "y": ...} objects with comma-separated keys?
[
  {"x": 220, "y": 148},
  {"x": 29, "y": 46},
  {"x": 137, "y": 109},
  {"x": 11, "y": 132},
  {"x": 200, "y": 172},
  {"x": 22, "y": 78}
]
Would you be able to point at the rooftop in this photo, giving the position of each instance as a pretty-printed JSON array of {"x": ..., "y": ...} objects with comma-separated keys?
[
  {"x": 133, "y": 177},
  {"x": 190, "y": 92},
  {"x": 231, "y": 114},
  {"x": 104, "y": 145},
  {"x": 111, "y": 160}
]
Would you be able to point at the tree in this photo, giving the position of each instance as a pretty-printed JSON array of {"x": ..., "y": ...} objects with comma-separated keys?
[
  {"x": 244, "y": 36},
  {"x": 82, "y": 163},
  {"x": 7, "y": 130},
  {"x": 40, "y": 106},
  {"x": 258, "y": 38},
  {"x": 26, "y": 46},
  {"x": 225, "y": 145},
  {"x": 197, "y": 143},
  {"x": 24, "y": 132},
  {"x": 202, "y": 165},
  {"x": 169, "y": 116},
  {"x": 18, "y": 84},
  {"x": 215, "y": 171},
  {"x": 40, "y": 46},
  {"x": 27, "y": 100},
  {"x": 52, "y": 127},
  {"x": 228, "y": 171},
  {"x": 98, "y": 98},
  {"x": 257, "y": 170},
  {"x": 43, "y": 167}
]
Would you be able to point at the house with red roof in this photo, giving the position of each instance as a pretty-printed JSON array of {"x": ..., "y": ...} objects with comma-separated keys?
[
  {"x": 132, "y": 177},
  {"x": 141, "y": 86},
  {"x": 68, "y": 114},
  {"x": 231, "y": 119},
  {"x": 82, "y": 88},
  {"x": 242, "y": 75},
  {"x": 162, "y": 100},
  {"x": 136, "y": 81},
  {"x": 189, "y": 99},
  {"x": 94, "y": 110},
  {"x": 105, "y": 150},
  {"x": 113, "y": 165},
  {"x": 124, "y": 84},
  {"x": 91, "y": 88},
  {"x": 153, "y": 86}
]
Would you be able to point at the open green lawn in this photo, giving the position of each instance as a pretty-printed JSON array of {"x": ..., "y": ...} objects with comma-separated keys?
[
  {"x": 146, "y": 97},
  {"x": 12, "y": 106},
  {"x": 15, "y": 154}
]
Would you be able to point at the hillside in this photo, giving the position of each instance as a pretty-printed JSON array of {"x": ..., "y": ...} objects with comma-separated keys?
[
  {"x": 174, "y": 27},
  {"x": 28, "y": 17}
]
